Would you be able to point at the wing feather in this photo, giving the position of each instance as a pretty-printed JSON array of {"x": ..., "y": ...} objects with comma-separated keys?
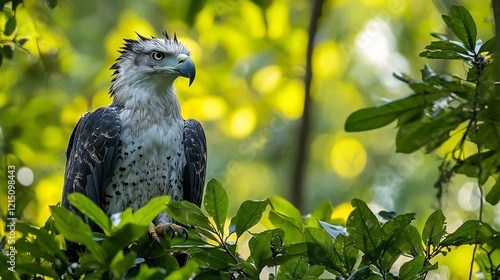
[
  {"x": 195, "y": 150},
  {"x": 92, "y": 155}
]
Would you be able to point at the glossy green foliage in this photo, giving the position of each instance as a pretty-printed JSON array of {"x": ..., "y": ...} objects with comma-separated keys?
[
  {"x": 443, "y": 105},
  {"x": 124, "y": 249}
]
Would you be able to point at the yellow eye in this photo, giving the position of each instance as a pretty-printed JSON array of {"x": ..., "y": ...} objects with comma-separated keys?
[{"x": 157, "y": 55}]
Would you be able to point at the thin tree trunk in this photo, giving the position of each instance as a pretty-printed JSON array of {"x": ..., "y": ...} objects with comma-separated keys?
[{"x": 305, "y": 125}]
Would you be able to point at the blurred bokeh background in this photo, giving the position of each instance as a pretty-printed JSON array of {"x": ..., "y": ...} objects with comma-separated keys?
[{"x": 248, "y": 94}]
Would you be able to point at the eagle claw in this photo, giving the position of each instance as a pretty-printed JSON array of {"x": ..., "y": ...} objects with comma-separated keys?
[
  {"x": 165, "y": 228},
  {"x": 183, "y": 231}
]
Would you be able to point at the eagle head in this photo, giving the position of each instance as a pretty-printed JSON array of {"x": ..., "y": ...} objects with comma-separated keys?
[{"x": 150, "y": 62}]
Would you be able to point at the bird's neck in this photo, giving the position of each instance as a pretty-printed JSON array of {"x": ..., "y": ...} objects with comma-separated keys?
[{"x": 145, "y": 98}]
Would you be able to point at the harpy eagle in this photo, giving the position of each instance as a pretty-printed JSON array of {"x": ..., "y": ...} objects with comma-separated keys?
[{"x": 139, "y": 147}]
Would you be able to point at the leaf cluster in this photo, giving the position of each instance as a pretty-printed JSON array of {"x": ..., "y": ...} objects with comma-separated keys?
[
  {"x": 114, "y": 253},
  {"x": 442, "y": 106},
  {"x": 293, "y": 247},
  {"x": 9, "y": 40}
]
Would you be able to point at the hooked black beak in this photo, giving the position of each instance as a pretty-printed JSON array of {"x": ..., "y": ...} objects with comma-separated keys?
[{"x": 186, "y": 69}]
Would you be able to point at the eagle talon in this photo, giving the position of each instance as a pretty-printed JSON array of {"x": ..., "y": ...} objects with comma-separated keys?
[
  {"x": 173, "y": 229},
  {"x": 156, "y": 240},
  {"x": 153, "y": 233},
  {"x": 185, "y": 233}
]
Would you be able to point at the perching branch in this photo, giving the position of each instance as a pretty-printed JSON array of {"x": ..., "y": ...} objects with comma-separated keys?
[{"x": 305, "y": 125}]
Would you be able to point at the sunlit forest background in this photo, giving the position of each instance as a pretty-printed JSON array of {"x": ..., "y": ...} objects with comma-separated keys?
[{"x": 248, "y": 94}]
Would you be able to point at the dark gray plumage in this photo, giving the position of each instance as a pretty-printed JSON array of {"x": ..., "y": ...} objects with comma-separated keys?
[{"x": 139, "y": 147}]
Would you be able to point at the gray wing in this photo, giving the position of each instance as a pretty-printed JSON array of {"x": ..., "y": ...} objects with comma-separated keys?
[
  {"x": 195, "y": 150},
  {"x": 92, "y": 156}
]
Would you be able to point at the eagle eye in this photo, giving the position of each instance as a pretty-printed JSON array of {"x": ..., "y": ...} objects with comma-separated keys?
[{"x": 157, "y": 56}]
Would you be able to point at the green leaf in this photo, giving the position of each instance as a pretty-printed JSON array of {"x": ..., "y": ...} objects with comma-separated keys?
[
  {"x": 365, "y": 229},
  {"x": 284, "y": 207},
  {"x": 36, "y": 269},
  {"x": 376, "y": 117},
  {"x": 216, "y": 203},
  {"x": 320, "y": 249},
  {"x": 425, "y": 88},
  {"x": 161, "y": 259},
  {"x": 187, "y": 213},
  {"x": 412, "y": 268},
  {"x": 413, "y": 136},
  {"x": 462, "y": 25},
  {"x": 440, "y": 54},
  {"x": 437, "y": 142},
  {"x": 247, "y": 269},
  {"x": 125, "y": 235},
  {"x": 393, "y": 234},
  {"x": 439, "y": 36},
  {"x": 323, "y": 212},
  {"x": 487, "y": 259},
  {"x": 314, "y": 272},
  {"x": 455, "y": 85},
  {"x": 24, "y": 246},
  {"x": 151, "y": 273},
  {"x": 248, "y": 215},
  {"x": 212, "y": 274},
  {"x": 45, "y": 241},
  {"x": 146, "y": 214},
  {"x": 434, "y": 229},
  {"x": 488, "y": 46},
  {"x": 294, "y": 269},
  {"x": 486, "y": 135},
  {"x": 75, "y": 230},
  {"x": 94, "y": 212},
  {"x": 289, "y": 252},
  {"x": 10, "y": 26},
  {"x": 470, "y": 167},
  {"x": 470, "y": 232},
  {"x": 288, "y": 224},
  {"x": 452, "y": 47},
  {"x": 299, "y": 269},
  {"x": 393, "y": 228},
  {"x": 348, "y": 254},
  {"x": 7, "y": 51},
  {"x": 89, "y": 262},
  {"x": 284, "y": 215},
  {"x": 363, "y": 273},
  {"x": 215, "y": 258},
  {"x": 185, "y": 272},
  {"x": 493, "y": 195},
  {"x": 260, "y": 246},
  {"x": 121, "y": 264}
]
